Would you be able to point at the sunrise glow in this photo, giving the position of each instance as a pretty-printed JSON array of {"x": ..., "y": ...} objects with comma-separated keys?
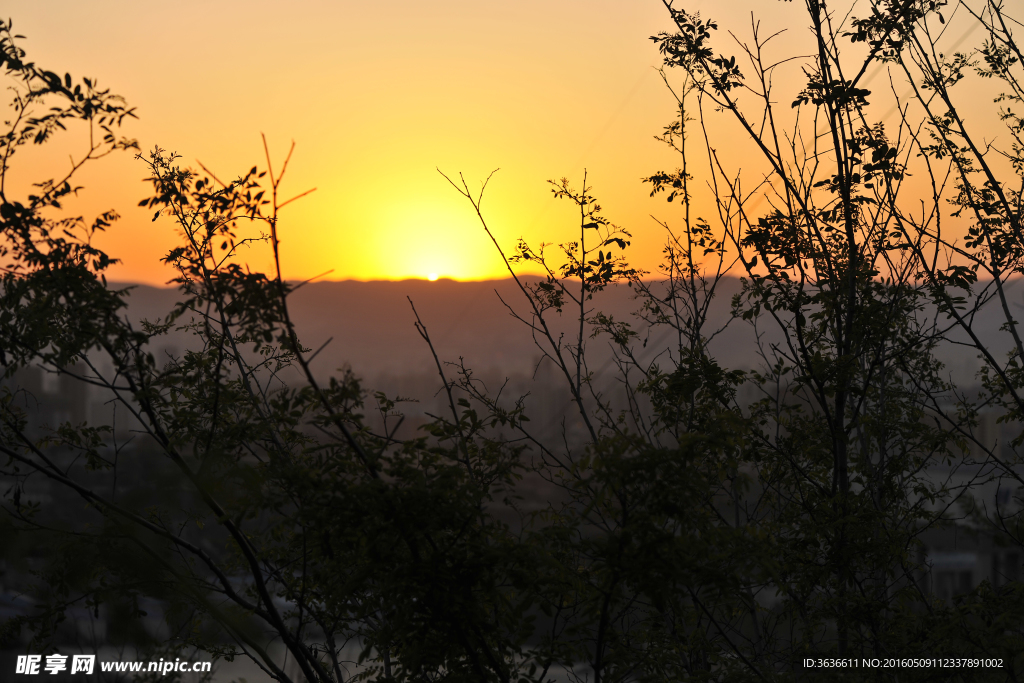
[{"x": 539, "y": 90}]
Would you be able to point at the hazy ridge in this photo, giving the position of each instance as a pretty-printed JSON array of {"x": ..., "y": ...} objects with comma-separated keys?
[{"x": 370, "y": 326}]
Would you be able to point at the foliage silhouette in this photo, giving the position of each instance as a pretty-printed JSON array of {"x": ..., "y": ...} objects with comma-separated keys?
[{"x": 710, "y": 523}]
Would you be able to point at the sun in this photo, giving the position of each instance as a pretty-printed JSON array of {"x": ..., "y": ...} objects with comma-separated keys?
[{"x": 432, "y": 277}]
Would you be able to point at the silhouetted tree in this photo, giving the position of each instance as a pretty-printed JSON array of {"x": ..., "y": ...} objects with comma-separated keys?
[
  {"x": 709, "y": 523},
  {"x": 752, "y": 533}
]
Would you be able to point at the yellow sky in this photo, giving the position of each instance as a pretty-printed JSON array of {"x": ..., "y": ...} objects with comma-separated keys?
[{"x": 377, "y": 96}]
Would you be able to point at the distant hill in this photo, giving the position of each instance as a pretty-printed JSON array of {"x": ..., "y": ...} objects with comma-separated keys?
[
  {"x": 371, "y": 327},
  {"x": 372, "y": 323}
]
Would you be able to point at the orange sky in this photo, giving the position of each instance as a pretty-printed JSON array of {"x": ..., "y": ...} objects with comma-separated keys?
[{"x": 376, "y": 96}]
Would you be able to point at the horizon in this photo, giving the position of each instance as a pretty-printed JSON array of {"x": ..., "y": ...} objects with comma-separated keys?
[{"x": 535, "y": 90}]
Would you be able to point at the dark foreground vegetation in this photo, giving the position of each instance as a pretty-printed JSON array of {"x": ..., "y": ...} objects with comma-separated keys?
[{"x": 845, "y": 498}]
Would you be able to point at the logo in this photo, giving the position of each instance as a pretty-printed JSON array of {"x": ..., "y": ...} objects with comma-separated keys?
[{"x": 33, "y": 664}]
